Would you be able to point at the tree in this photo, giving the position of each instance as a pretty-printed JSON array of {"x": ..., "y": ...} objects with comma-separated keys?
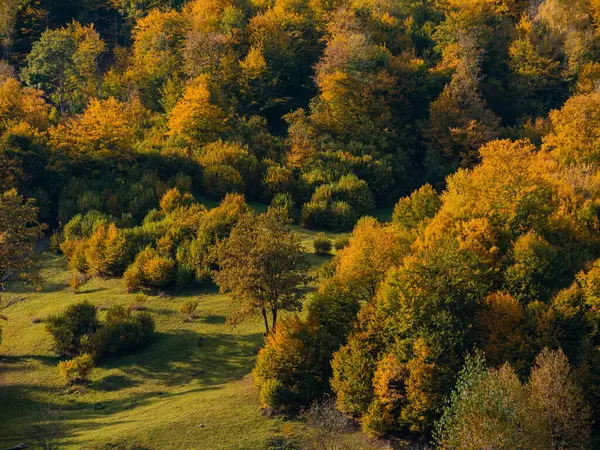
[
  {"x": 156, "y": 53},
  {"x": 21, "y": 104},
  {"x": 559, "y": 402},
  {"x": 422, "y": 204},
  {"x": 19, "y": 235},
  {"x": 574, "y": 136},
  {"x": 197, "y": 117},
  {"x": 63, "y": 64},
  {"x": 373, "y": 249},
  {"x": 8, "y": 16},
  {"x": 459, "y": 119},
  {"x": 104, "y": 132},
  {"x": 49, "y": 428},
  {"x": 262, "y": 267},
  {"x": 493, "y": 409},
  {"x": 487, "y": 409}
]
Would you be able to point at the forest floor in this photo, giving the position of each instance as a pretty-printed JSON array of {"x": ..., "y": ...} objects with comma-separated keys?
[{"x": 191, "y": 388}]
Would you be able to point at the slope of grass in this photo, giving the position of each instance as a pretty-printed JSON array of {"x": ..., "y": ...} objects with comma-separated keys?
[{"x": 190, "y": 389}]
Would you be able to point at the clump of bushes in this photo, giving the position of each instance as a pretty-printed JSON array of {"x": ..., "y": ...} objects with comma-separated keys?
[
  {"x": 338, "y": 205},
  {"x": 76, "y": 370},
  {"x": 150, "y": 269},
  {"x": 67, "y": 329},
  {"x": 77, "y": 331},
  {"x": 170, "y": 246},
  {"x": 322, "y": 245},
  {"x": 220, "y": 180},
  {"x": 123, "y": 332},
  {"x": 103, "y": 253}
]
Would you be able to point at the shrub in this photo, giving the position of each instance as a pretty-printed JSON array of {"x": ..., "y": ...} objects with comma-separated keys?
[
  {"x": 322, "y": 245},
  {"x": 285, "y": 203},
  {"x": 105, "y": 251},
  {"x": 338, "y": 205},
  {"x": 342, "y": 216},
  {"x": 314, "y": 215},
  {"x": 132, "y": 278},
  {"x": 83, "y": 226},
  {"x": 174, "y": 199},
  {"x": 329, "y": 422},
  {"x": 273, "y": 394},
  {"x": 77, "y": 370},
  {"x": 150, "y": 269},
  {"x": 188, "y": 309},
  {"x": 277, "y": 180},
  {"x": 234, "y": 155},
  {"x": 220, "y": 180},
  {"x": 341, "y": 242},
  {"x": 67, "y": 329},
  {"x": 74, "y": 252},
  {"x": 139, "y": 302},
  {"x": 77, "y": 280},
  {"x": 123, "y": 332}
]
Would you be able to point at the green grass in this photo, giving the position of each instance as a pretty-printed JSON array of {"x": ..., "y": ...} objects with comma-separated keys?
[{"x": 189, "y": 389}]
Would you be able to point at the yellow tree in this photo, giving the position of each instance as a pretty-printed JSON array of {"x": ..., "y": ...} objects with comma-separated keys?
[
  {"x": 373, "y": 249},
  {"x": 574, "y": 137},
  {"x": 157, "y": 41},
  {"x": 106, "y": 129},
  {"x": 197, "y": 116},
  {"x": 22, "y": 104}
]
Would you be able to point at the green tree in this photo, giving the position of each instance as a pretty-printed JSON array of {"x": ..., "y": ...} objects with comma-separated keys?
[
  {"x": 262, "y": 267},
  {"x": 19, "y": 235},
  {"x": 63, "y": 64}
]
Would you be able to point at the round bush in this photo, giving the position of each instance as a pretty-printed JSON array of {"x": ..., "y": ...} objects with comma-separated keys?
[
  {"x": 77, "y": 370},
  {"x": 322, "y": 245},
  {"x": 273, "y": 394},
  {"x": 220, "y": 180},
  {"x": 342, "y": 217},
  {"x": 314, "y": 215},
  {"x": 341, "y": 242}
]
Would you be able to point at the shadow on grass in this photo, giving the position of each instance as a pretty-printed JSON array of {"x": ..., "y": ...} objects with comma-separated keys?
[
  {"x": 181, "y": 358},
  {"x": 21, "y": 359},
  {"x": 114, "y": 383},
  {"x": 92, "y": 291},
  {"x": 212, "y": 319}
]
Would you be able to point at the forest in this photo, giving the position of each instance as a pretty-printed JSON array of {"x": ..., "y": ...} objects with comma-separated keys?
[{"x": 300, "y": 224}]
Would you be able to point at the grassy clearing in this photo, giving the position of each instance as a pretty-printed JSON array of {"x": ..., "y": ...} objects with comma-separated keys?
[{"x": 190, "y": 389}]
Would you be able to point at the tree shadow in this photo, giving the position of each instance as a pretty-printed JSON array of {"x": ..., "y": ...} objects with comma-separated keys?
[
  {"x": 161, "y": 311},
  {"x": 92, "y": 291},
  {"x": 54, "y": 287},
  {"x": 212, "y": 319},
  {"x": 183, "y": 356},
  {"x": 23, "y": 359},
  {"x": 114, "y": 383}
]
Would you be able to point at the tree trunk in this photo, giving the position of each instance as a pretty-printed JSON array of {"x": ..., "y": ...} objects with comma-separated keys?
[
  {"x": 274, "y": 311},
  {"x": 264, "y": 314}
]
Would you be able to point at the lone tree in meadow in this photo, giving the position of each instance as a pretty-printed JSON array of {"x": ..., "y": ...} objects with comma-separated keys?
[
  {"x": 19, "y": 234},
  {"x": 262, "y": 267}
]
